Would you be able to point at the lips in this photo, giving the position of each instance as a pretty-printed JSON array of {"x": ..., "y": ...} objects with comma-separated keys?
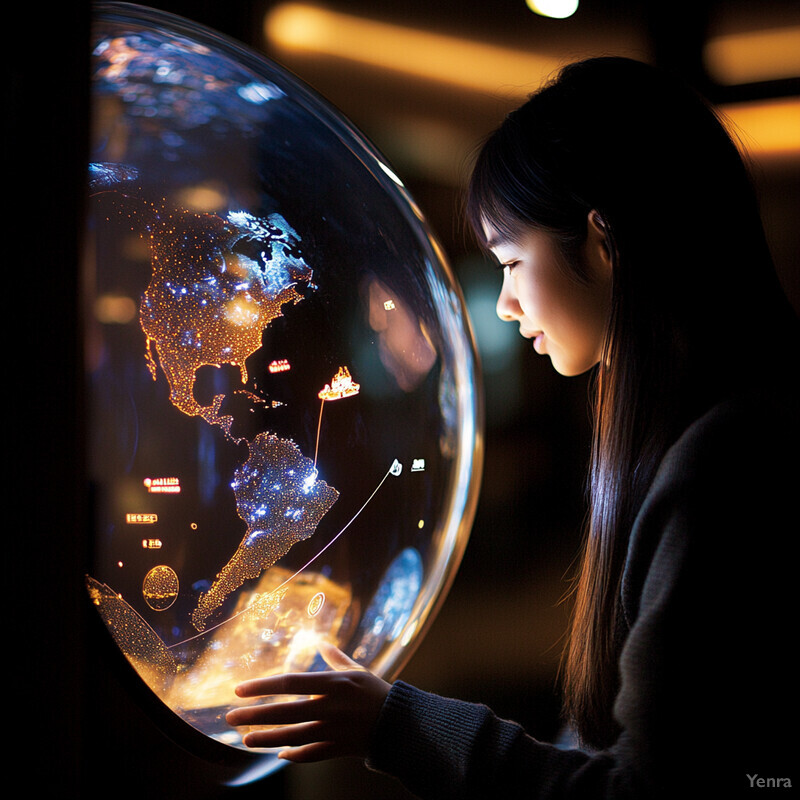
[{"x": 537, "y": 336}]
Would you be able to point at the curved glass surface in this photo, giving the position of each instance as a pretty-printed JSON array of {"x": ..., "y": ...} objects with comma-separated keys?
[{"x": 284, "y": 422}]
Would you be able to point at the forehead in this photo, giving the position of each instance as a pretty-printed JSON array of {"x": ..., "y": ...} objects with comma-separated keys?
[{"x": 493, "y": 237}]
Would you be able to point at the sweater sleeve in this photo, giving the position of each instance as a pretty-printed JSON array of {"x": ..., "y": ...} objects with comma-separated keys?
[{"x": 700, "y": 690}]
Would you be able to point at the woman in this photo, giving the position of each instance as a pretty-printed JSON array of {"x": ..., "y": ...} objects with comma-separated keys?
[{"x": 630, "y": 241}]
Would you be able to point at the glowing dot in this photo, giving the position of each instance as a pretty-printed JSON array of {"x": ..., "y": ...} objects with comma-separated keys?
[{"x": 421, "y": 524}]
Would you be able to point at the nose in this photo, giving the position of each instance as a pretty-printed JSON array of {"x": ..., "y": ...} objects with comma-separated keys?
[{"x": 507, "y": 305}]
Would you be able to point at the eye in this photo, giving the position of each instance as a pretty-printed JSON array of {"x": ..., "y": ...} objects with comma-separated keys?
[{"x": 509, "y": 265}]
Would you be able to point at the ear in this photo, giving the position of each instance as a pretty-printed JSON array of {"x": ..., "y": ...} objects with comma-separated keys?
[{"x": 598, "y": 246}]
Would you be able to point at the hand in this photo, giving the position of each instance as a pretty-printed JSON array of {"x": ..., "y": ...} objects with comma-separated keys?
[{"x": 334, "y": 718}]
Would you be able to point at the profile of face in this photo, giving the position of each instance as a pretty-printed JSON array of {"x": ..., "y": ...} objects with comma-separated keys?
[{"x": 564, "y": 317}]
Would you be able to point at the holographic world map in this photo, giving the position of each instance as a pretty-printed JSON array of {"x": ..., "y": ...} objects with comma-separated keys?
[{"x": 284, "y": 436}]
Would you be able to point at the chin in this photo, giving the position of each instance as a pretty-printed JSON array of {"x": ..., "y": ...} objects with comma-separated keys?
[{"x": 571, "y": 370}]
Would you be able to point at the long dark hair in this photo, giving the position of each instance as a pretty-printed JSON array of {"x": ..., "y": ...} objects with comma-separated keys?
[{"x": 694, "y": 297}]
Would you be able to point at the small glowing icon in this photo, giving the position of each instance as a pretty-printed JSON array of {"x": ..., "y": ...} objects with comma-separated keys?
[
  {"x": 280, "y": 365},
  {"x": 388, "y": 305},
  {"x": 396, "y": 468},
  {"x": 418, "y": 465},
  {"x": 141, "y": 519},
  {"x": 163, "y": 485},
  {"x": 341, "y": 386},
  {"x": 160, "y": 588},
  {"x": 151, "y": 544},
  {"x": 315, "y": 604}
]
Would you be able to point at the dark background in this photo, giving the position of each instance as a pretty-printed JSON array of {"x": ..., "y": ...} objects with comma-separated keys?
[{"x": 75, "y": 718}]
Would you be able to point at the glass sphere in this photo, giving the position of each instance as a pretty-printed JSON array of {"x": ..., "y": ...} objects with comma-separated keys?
[{"x": 284, "y": 413}]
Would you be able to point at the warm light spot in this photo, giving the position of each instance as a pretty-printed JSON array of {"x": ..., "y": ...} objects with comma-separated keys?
[
  {"x": 115, "y": 309},
  {"x": 557, "y": 9},
  {"x": 206, "y": 197},
  {"x": 767, "y": 128},
  {"x": 753, "y": 56},
  {"x": 301, "y": 28}
]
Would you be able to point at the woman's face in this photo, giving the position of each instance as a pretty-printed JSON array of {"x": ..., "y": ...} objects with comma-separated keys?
[{"x": 565, "y": 319}]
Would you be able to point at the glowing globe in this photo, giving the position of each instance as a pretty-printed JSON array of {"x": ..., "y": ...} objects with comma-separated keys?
[{"x": 284, "y": 416}]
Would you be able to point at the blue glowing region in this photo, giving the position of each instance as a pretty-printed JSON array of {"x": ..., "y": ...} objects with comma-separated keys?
[
  {"x": 391, "y": 605},
  {"x": 179, "y": 84},
  {"x": 281, "y": 500}
]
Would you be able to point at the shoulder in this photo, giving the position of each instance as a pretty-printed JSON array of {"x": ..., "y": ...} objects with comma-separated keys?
[{"x": 724, "y": 492}]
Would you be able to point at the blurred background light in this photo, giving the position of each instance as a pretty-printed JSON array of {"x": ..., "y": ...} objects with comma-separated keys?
[
  {"x": 755, "y": 55},
  {"x": 557, "y": 9},
  {"x": 419, "y": 53}
]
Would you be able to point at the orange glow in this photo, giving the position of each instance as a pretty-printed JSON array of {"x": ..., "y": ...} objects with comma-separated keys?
[
  {"x": 341, "y": 386},
  {"x": 768, "y": 128},
  {"x": 471, "y": 65},
  {"x": 279, "y": 365},
  {"x": 163, "y": 485},
  {"x": 754, "y": 55},
  {"x": 141, "y": 519}
]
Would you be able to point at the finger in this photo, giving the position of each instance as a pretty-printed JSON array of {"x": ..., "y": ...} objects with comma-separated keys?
[
  {"x": 336, "y": 659},
  {"x": 310, "y": 753},
  {"x": 286, "y": 735},
  {"x": 277, "y": 713},
  {"x": 300, "y": 683}
]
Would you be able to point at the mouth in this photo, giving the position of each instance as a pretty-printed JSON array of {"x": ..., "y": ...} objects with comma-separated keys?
[{"x": 537, "y": 336}]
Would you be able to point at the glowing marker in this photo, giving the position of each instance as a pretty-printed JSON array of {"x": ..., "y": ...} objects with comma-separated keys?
[
  {"x": 151, "y": 544},
  {"x": 163, "y": 485},
  {"x": 280, "y": 365},
  {"x": 315, "y": 604},
  {"x": 396, "y": 468},
  {"x": 141, "y": 519},
  {"x": 342, "y": 385}
]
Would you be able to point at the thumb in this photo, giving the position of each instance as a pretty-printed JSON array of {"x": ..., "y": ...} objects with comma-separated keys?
[{"x": 336, "y": 659}]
